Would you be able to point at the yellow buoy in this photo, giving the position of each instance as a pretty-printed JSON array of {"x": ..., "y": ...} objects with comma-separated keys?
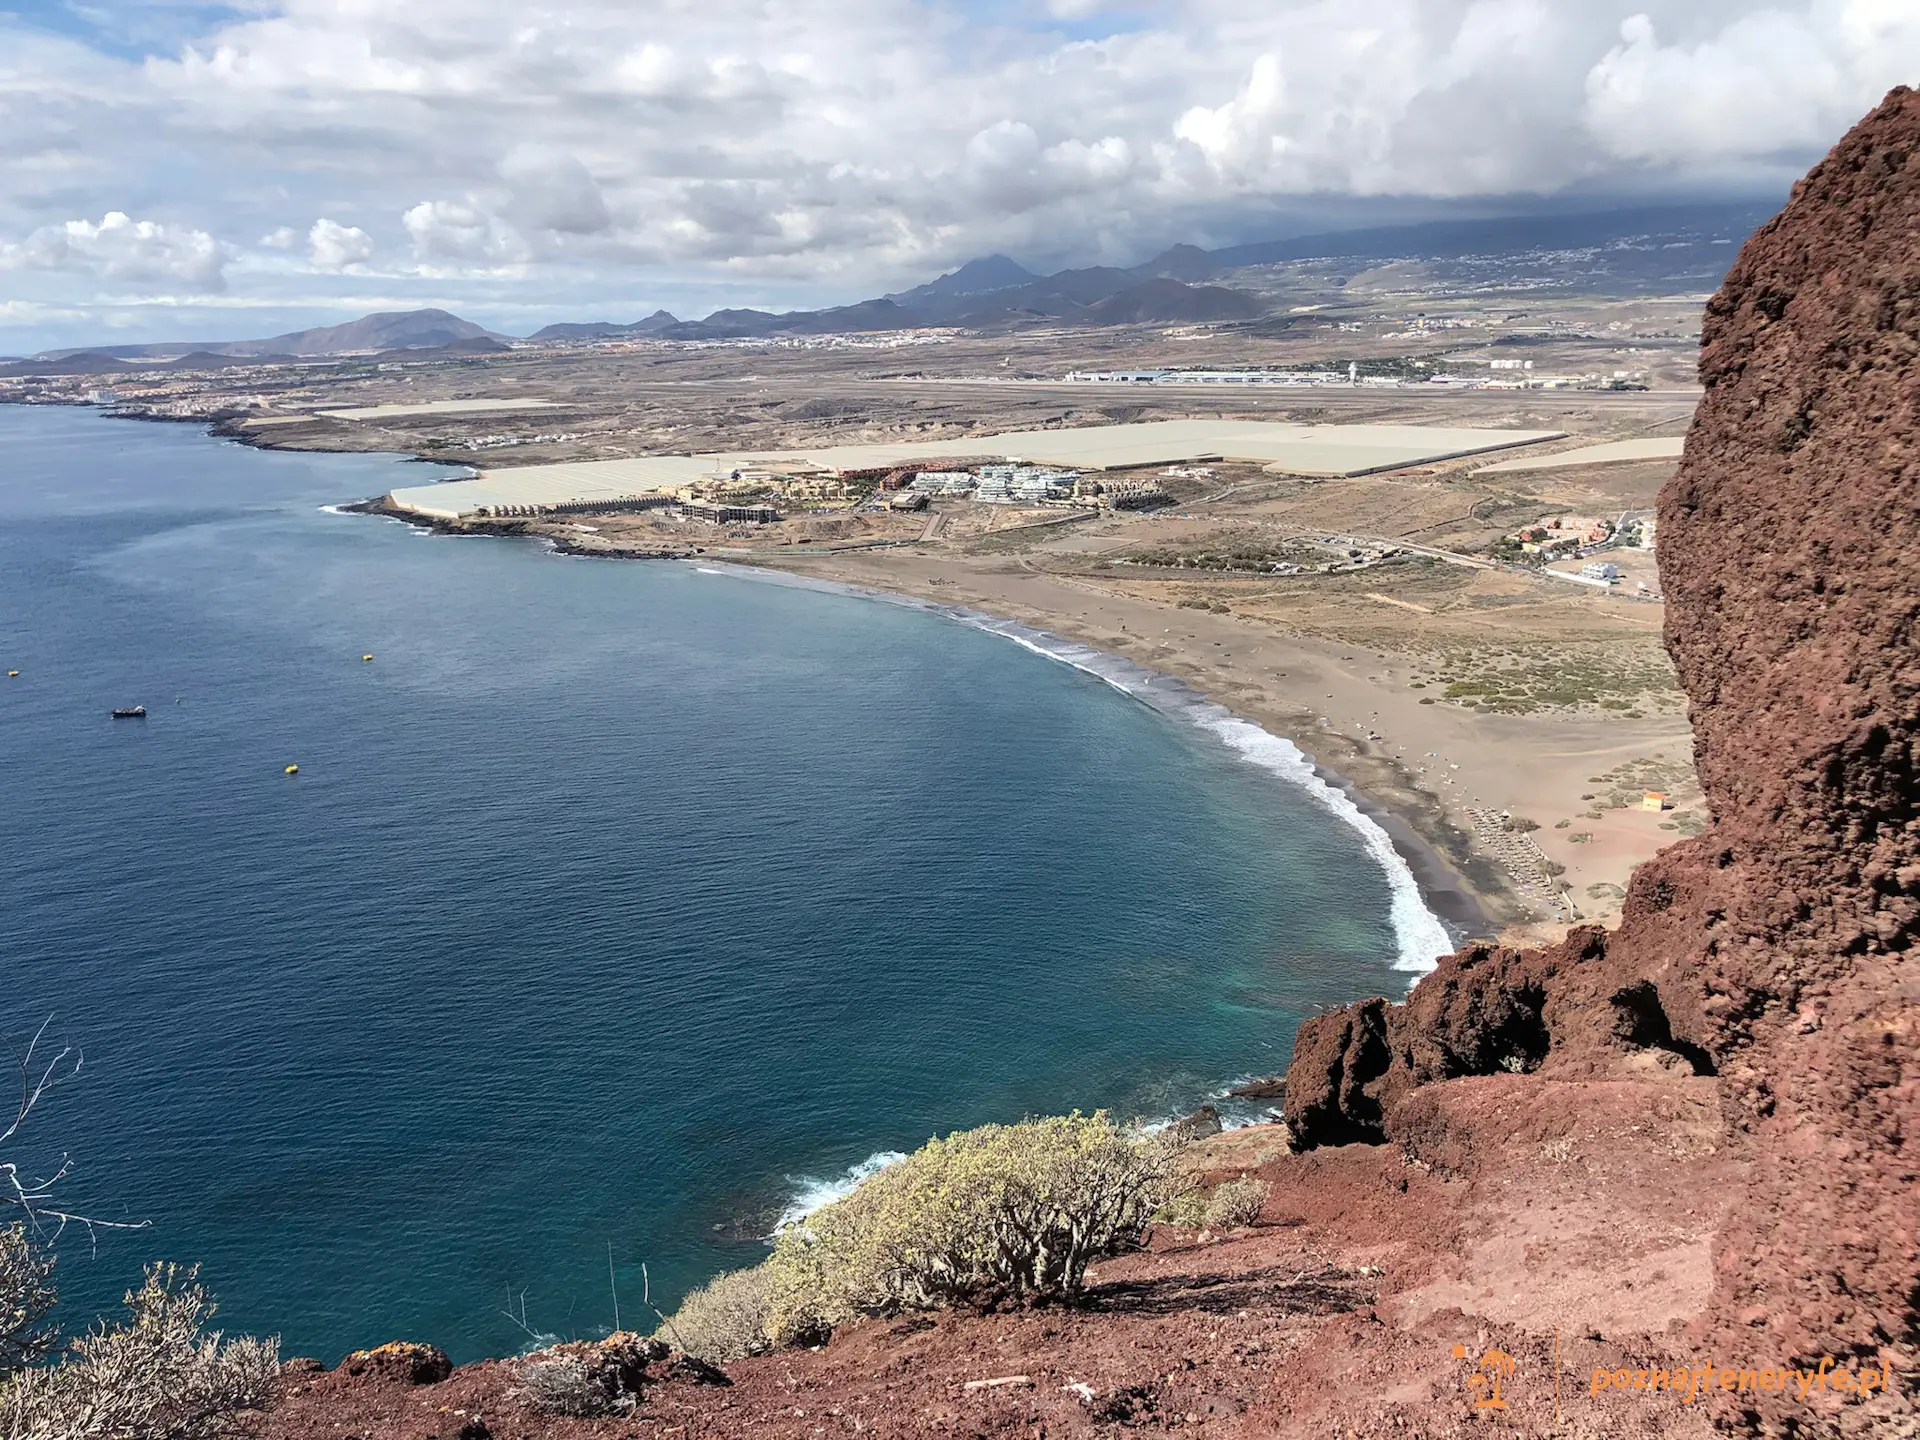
[
  {"x": 12, "y": 673},
  {"x": 366, "y": 657},
  {"x": 293, "y": 769}
]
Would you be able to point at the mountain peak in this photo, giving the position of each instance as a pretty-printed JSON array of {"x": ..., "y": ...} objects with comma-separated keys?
[
  {"x": 383, "y": 330},
  {"x": 976, "y": 277}
]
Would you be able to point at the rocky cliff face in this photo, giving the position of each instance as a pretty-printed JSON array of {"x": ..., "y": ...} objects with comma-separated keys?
[{"x": 1776, "y": 949}]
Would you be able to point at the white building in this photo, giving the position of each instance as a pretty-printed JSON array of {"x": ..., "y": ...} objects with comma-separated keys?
[
  {"x": 943, "y": 482},
  {"x": 1024, "y": 484}
]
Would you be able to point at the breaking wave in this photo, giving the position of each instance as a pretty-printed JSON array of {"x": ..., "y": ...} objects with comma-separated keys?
[
  {"x": 1421, "y": 938},
  {"x": 812, "y": 1194}
]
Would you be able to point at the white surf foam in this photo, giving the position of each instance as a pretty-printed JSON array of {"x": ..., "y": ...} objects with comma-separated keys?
[
  {"x": 812, "y": 1194},
  {"x": 1420, "y": 937},
  {"x": 1423, "y": 939}
]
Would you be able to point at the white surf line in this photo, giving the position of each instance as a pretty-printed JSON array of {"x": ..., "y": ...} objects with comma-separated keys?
[{"x": 1421, "y": 938}]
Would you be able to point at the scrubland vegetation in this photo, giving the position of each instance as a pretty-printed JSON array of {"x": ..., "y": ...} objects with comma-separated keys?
[
  {"x": 1012, "y": 1213},
  {"x": 157, "y": 1374},
  {"x": 1627, "y": 674},
  {"x": 1003, "y": 1214}
]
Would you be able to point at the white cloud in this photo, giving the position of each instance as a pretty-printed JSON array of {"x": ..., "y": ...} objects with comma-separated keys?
[
  {"x": 336, "y": 248},
  {"x": 1244, "y": 136},
  {"x": 463, "y": 233},
  {"x": 140, "y": 254},
  {"x": 1772, "y": 80},
  {"x": 840, "y": 147}
]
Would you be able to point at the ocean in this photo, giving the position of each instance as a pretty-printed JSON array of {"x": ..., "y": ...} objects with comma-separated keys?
[{"x": 615, "y": 907}]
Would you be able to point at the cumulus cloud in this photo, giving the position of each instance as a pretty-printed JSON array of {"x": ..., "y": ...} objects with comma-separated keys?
[
  {"x": 462, "y": 233},
  {"x": 336, "y": 248},
  {"x": 551, "y": 190},
  {"x": 140, "y": 254},
  {"x": 1769, "y": 81},
  {"x": 852, "y": 143},
  {"x": 1244, "y": 136}
]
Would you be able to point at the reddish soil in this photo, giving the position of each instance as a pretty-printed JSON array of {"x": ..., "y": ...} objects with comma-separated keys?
[
  {"x": 1337, "y": 1313},
  {"x": 1677, "y": 1144}
]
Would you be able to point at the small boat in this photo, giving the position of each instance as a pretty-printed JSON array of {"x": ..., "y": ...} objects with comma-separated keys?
[{"x": 131, "y": 712}]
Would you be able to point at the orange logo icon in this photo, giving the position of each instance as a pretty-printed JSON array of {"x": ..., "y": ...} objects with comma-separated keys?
[{"x": 1496, "y": 1365}]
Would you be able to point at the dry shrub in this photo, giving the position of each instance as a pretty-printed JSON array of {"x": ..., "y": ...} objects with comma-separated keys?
[
  {"x": 1238, "y": 1202},
  {"x": 26, "y": 1299},
  {"x": 725, "y": 1319},
  {"x": 1229, "y": 1204},
  {"x": 1020, "y": 1210},
  {"x": 589, "y": 1377},
  {"x": 157, "y": 1376},
  {"x": 564, "y": 1384}
]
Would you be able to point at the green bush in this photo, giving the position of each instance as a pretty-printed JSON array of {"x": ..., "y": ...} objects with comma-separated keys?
[
  {"x": 1238, "y": 1202},
  {"x": 1020, "y": 1210},
  {"x": 26, "y": 1300},
  {"x": 158, "y": 1375},
  {"x": 725, "y": 1319}
]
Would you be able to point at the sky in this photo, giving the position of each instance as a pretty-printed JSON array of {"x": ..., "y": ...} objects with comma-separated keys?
[{"x": 178, "y": 170}]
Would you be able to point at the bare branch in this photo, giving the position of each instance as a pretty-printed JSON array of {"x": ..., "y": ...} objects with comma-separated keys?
[
  {"x": 521, "y": 1318},
  {"x": 31, "y": 1089},
  {"x": 614, "y": 1286},
  {"x": 32, "y": 1199},
  {"x": 646, "y": 1299}
]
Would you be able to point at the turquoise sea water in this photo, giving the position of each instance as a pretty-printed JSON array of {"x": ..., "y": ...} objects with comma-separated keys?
[{"x": 613, "y": 903}]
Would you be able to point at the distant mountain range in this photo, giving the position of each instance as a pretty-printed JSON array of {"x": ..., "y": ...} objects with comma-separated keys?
[
  {"x": 1684, "y": 243},
  {"x": 1690, "y": 241},
  {"x": 386, "y": 330}
]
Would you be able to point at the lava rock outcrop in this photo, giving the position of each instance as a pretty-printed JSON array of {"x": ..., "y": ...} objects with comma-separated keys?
[{"x": 1775, "y": 949}]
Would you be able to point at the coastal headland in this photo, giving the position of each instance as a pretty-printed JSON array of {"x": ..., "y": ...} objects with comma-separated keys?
[{"x": 1327, "y": 592}]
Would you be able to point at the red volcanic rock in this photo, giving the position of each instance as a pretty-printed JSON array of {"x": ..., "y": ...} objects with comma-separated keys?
[
  {"x": 1789, "y": 542},
  {"x": 1570, "y": 1011},
  {"x": 402, "y": 1360},
  {"x": 1775, "y": 947}
]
